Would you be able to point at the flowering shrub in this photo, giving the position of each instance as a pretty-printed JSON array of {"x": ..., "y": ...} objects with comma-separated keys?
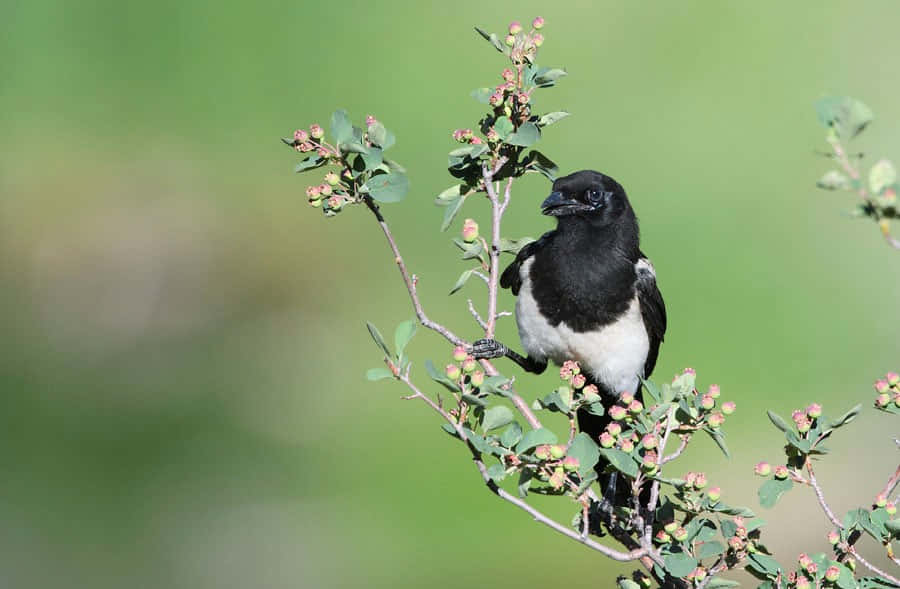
[{"x": 677, "y": 526}]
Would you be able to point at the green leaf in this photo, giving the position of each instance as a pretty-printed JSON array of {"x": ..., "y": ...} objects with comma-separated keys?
[
  {"x": 777, "y": 421},
  {"x": 496, "y": 417},
  {"x": 624, "y": 583},
  {"x": 586, "y": 451},
  {"x": 847, "y": 116},
  {"x": 353, "y": 147},
  {"x": 846, "y": 417},
  {"x": 763, "y": 564},
  {"x": 491, "y": 38},
  {"x": 380, "y": 136},
  {"x": 538, "y": 162},
  {"x": 620, "y": 461},
  {"x": 535, "y": 437},
  {"x": 525, "y": 477},
  {"x": 727, "y": 510},
  {"x": 403, "y": 334},
  {"x": 525, "y": 136},
  {"x": 311, "y": 162},
  {"x": 497, "y": 472},
  {"x": 474, "y": 401},
  {"x": 373, "y": 158},
  {"x": 511, "y": 435},
  {"x": 482, "y": 95},
  {"x": 379, "y": 373},
  {"x": 469, "y": 151},
  {"x": 546, "y": 77},
  {"x": 552, "y": 117},
  {"x": 503, "y": 126},
  {"x": 772, "y": 490},
  {"x": 448, "y": 195},
  {"x": 390, "y": 187},
  {"x": 709, "y": 549},
  {"x": 341, "y": 127},
  {"x": 494, "y": 384},
  {"x": 719, "y": 438},
  {"x": 833, "y": 180},
  {"x": 440, "y": 377},
  {"x": 450, "y": 213},
  {"x": 461, "y": 281},
  {"x": 513, "y": 246},
  {"x": 720, "y": 583},
  {"x": 478, "y": 441},
  {"x": 376, "y": 335},
  {"x": 679, "y": 564}
]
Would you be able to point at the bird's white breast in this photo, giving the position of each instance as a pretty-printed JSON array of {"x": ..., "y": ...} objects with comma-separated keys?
[{"x": 613, "y": 354}]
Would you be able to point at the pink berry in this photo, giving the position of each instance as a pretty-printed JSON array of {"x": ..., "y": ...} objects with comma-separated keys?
[
  {"x": 728, "y": 407},
  {"x": 515, "y": 27},
  {"x": 591, "y": 394},
  {"x": 477, "y": 378},
  {"x": 700, "y": 482},
  {"x": 714, "y": 494},
  {"x": 606, "y": 440},
  {"x": 459, "y": 353},
  {"x": 626, "y": 397},
  {"x": 312, "y": 192},
  {"x": 316, "y": 131},
  {"x": 617, "y": 412},
  {"x": 578, "y": 381},
  {"x": 614, "y": 429},
  {"x": 452, "y": 371},
  {"x": 508, "y": 75},
  {"x": 325, "y": 189},
  {"x": 893, "y": 378},
  {"x": 881, "y": 386},
  {"x": 510, "y": 40},
  {"x": 305, "y": 146},
  {"x": 833, "y": 537},
  {"x": 832, "y": 573},
  {"x": 814, "y": 410},
  {"x": 707, "y": 402},
  {"x": 301, "y": 136},
  {"x": 370, "y": 120},
  {"x": 635, "y": 406},
  {"x": 714, "y": 391},
  {"x": 538, "y": 22},
  {"x": 537, "y": 39},
  {"x": 469, "y": 364},
  {"x": 649, "y": 441},
  {"x": 469, "y": 230},
  {"x": 762, "y": 469},
  {"x": 781, "y": 472},
  {"x": 570, "y": 463},
  {"x": 542, "y": 452}
]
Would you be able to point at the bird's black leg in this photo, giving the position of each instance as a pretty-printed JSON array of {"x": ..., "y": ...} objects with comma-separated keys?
[{"x": 490, "y": 348}]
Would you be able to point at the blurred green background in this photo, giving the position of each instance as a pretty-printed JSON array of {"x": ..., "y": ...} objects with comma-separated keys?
[{"x": 184, "y": 401}]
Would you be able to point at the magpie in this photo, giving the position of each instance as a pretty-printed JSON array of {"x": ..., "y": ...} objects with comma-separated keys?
[{"x": 586, "y": 292}]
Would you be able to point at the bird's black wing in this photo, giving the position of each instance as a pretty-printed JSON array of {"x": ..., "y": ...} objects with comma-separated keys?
[
  {"x": 653, "y": 310},
  {"x": 511, "y": 277}
]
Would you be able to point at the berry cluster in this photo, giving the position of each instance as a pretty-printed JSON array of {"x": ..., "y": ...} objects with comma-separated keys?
[{"x": 887, "y": 391}]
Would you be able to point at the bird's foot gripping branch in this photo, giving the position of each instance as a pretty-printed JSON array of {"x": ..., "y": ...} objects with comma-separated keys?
[{"x": 622, "y": 481}]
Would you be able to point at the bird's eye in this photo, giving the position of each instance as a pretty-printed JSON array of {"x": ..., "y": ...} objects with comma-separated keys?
[{"x": 595, "y": 196}]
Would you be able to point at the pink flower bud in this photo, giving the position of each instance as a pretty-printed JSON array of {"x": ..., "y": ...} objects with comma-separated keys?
[
  {"x": 312, "y": 192},
  {"x": 304, "y": 147},
  {"x": 578, "y": 381},
  {"x": 458, "y": 135},
  {"x": 626, "y": 397},
  {"x": 606, "y": 440},
  {"x": 617, "y": 412},
  {"x": 741, "y": 532},
  {"x": 814, "y": 410},
  {"x": 332, "y": 179},
  {"x": 515, "y": 27},
  {"x": 452, "y": 371},
  {"x": 833, "y": 537},
  {"x": 735, "y": 543},
  {"x": 301, "y": 136},
  {"x": 542, "y": 452},
  {"x": 496, "y": 99},
  {"x": 662, "y": 537},
  {"x": 570, "y": 463},
  {"x": 763, "y": 469},
  {"x": 538, "y": 22},
  {"x": 893, "y": 378},
  {"x": 469, "y": 364},
  {"x": 728, "y": 407},
  {"x": 803, "y": 426},
  {"x": 508, "y": 75},
  {"x": 316, "y": 131},
  {"x": 325, "y": 189},
  {"x": 649, "y": 460},
  {"x": 335, "y": 203},
  {"x": 690, "y": 371},
  {"x": 493, "y": 136},
  {"x": 804, "y": 560},
  {"x": 881, "y": 386},
  {"x": 370, "y": 120},
  {"x": 714, "y": 494},
  {"x": 523, "y": 98},
  {"x": 591, "y": 393},
  {"x": 626, "y": 445},
  {"x": 322, "y": 152},
  {"x": 890, "y": 507},
  {"x": 557, "y": 451},
  {"x": 812, "y": 568},
  {"x": 459, "y": 353},
  {"x": 680, "y": 534},
  {"x": 880, "y": 500},
  {"x": 707, "y": 402},
  {"x": 832, "y": 573},
  {"x": 715, "y": 420},
  {"x": 700, "y": 482},
  {"x": 649, "y": 441},
  {"x": 614, "y": 429},
  {"x": 714, "y": 391},
  {"x": 635, "y": 406},
  {"x": 882, "y": 400},
  {"x": 469, "y": 230},
  {"x": 781, "y": 472},
  {"x": 477, "y": 378},
  {"x": 537, "y": 39},
  {"x": 510, "y": 40},
  {"x": 798, "y": 415},
  {"x": 803, "y": 582}
]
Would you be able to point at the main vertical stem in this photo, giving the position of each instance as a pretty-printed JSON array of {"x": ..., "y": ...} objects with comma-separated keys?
[{"x": 494, "y": 278}]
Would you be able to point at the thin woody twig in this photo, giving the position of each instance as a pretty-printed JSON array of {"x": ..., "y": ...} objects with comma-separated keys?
[
  {"x": 820, "y": 496},
  {"x": 475, "y": 314}
]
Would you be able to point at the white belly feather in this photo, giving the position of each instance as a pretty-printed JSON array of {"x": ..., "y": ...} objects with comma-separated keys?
[{"x": 613, "y": 354}]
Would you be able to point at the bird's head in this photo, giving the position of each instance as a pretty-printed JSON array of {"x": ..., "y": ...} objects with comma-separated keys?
[{"x": 588, "y": 195}]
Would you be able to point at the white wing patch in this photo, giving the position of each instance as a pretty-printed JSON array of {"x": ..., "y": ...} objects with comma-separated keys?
[{"x": 614, "y": 354}]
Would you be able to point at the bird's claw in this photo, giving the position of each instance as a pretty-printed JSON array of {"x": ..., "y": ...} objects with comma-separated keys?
[{"x": 485, "y": 349}]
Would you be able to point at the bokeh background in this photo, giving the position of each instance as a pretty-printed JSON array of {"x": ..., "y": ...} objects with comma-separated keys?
[{"x": 183, "y": 395}]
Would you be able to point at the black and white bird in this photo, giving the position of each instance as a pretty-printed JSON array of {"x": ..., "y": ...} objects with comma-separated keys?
[{"x": 586, "y": 292}]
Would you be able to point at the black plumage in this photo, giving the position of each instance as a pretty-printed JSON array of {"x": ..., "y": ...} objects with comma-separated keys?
[{"x": 587, "y": 292}]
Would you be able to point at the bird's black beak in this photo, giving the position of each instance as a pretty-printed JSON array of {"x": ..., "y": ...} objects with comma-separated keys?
[{"x": 557, "y": 205}]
